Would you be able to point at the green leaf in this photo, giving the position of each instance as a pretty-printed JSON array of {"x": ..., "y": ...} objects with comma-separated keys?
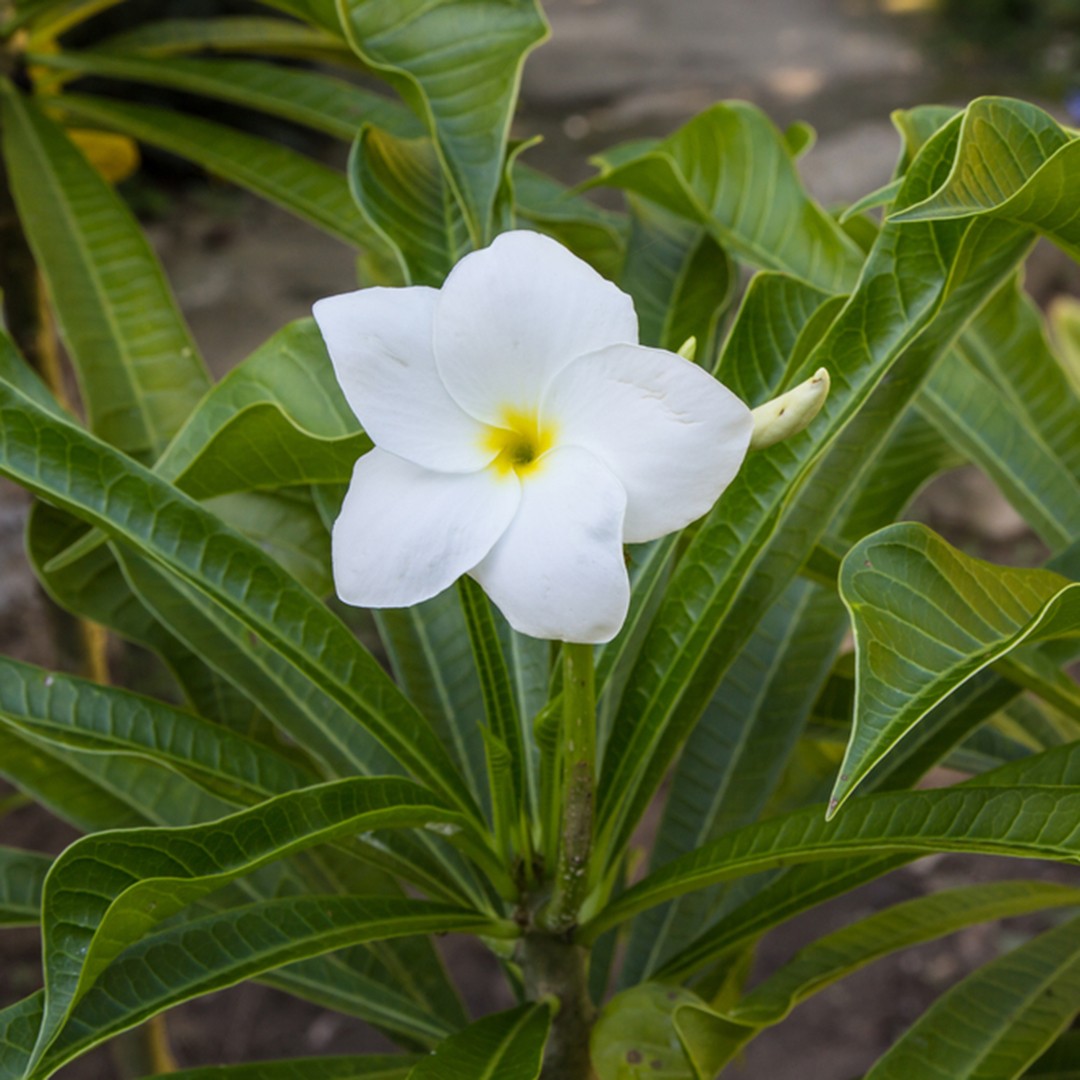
[
  {"x": 66, "y": 711},
  {"x": 1015, "y": 162},
  {"x": 322, "y": 13},
  {"x": 500, "y": 703},
  {"x": 730, "y": 170},
  {"x": 278, "y": 418},
  {"x": 997, "y": 1021},
  {"x": 680, "y": 278},
  {"x": 1061, "y": 1061},
  {"x": 1065, "y": 320},
  {"x": 593, "y": 234},
  {"x": 82, "y": 475},
  {"x": 400, "y": 188},
  {"x": 222, "y": 949},
  {"x": 965, "y": 406},
  {"x": 775, "y": 311},
  {"x": 505, "y": 1046},
  {"x": 376, "y": 1067},
  {"x": 734, "y": 758},
  {"x": 22, "y": 877},
  {"x": 635, "y": 1035},
  {"x": 313, "y": 99},
  {"x": 917, "y": 126},
  {"x": 432, "y": 660},
  {"x": 1021, "y": 821},
  {"x": 927, "y": 618},
  {"x": 457, "y": 63},
  {"x": 108, "y": 890},
  {"x": 920, "y": 286},
  {"x": 901, "y": 926},
  {"x": 138, "y": 367},
  {"x": 229, "y": 33},
  {"x": 296, "y": 183}
]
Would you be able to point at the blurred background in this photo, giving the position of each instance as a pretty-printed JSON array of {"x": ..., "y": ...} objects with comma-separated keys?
[{"x": 614, "y": 70}]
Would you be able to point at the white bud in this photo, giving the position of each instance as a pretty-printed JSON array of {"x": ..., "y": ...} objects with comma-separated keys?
[{"x": 789, "y": 413}]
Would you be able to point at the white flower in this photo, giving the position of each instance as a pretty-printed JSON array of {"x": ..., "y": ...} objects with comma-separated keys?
[{"x": 521, "y": 436}]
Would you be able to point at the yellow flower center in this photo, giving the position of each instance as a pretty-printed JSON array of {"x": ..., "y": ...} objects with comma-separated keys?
[{"x": 520, "y": 443}]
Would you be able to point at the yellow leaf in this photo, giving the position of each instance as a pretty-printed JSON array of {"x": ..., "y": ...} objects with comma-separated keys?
[{"x": 116, "y": 157}]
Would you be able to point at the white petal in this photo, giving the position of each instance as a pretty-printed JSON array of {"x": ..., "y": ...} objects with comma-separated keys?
[
  {"x": 672, "y": 434},
  {"x": 511, "y": 316},
  {"x": 558, "y": 571},
  {"x": 380, "y": 344},
  {"x": 405, "y": 533}
]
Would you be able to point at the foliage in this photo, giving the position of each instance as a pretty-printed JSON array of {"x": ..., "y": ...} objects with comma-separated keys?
[{"x": 297, "y": 815}]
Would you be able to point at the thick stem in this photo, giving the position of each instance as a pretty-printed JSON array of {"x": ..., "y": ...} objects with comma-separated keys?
[
  {"x": 553, "y": 966},
  {"x": 144, "y": 1051},
  {"x": 578, "y": 785}
]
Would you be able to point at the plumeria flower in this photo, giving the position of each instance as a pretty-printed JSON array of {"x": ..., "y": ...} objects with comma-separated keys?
[{"x": 522, "y": 436}]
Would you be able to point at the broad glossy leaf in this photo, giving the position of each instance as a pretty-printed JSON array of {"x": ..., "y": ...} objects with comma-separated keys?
[
  {"x": 1015, "y": 162},
  {"x": 756, "y": 538},
  {"x": 75, "y": 471},
  {"x": 400, "y": 187},
  {"x": 635, "y": 1035},
  {"x": 596, "y": 235},
  {"x": 66, "y": 711},
  {"x": 917, "y": 126},
  {"x": 680, "y": 278},
  {"x": 138, "y": 367},
  {"x": 927, "y": 618},
  {"x": 505, "y": 1046},
  {"x": 997, "y": 1021},
  {"x": 322, "y": 13},
  {"x": 1023, "y": 821},
  {"x": 225, "y": 948},
  {"x": 108, "y": 890},
  {"x": 369, "y": 1067},
  {"x": 457, "y": 63},
  {"x": 298, "y": 184},
  {"x": 775, "y": 311},
  {"x": 729, "y": 170},
  {"x": 22, "y": 876},
  {"x": 311, "y": 98}
]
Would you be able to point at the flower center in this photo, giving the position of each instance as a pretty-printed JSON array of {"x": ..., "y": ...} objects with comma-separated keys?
[{"x": 520, "y": 443}]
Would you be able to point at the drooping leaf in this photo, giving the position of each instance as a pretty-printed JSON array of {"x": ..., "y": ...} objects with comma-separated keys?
[
  {"x": 1024, "y": 821},
  {"x": 138, "y": 367},
  {"x": 927, "y": 618},
  {"x": 457, "y": 63},
  {"x": 108, "y": 890},
  {"x": 316, "y": 100},
  {"x": 297, "y": 183},
  {"x": 75, "y": 471},
  {"x": 505, "y": 1046},
  {"x": 67, "y": 711},
  {"x": 998, "y": 1020},
  {"x": 222, "y": 949}
]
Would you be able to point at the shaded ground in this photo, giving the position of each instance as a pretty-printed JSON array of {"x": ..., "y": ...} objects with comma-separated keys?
[{"x": 616, "y": 69}]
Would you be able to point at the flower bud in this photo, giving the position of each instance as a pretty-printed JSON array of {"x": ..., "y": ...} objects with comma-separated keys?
[{"x": 789, "y": 413}]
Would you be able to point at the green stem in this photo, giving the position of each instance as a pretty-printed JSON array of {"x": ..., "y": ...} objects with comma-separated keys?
[{"x": 578, "y": 739}]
